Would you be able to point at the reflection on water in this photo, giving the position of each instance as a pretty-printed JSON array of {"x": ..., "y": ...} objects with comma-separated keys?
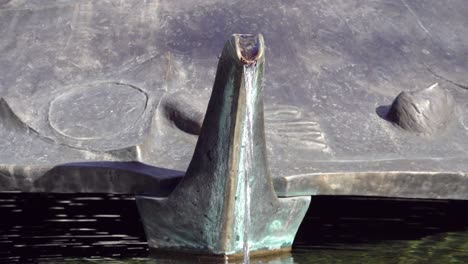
[{"x": 43, "y": 228}]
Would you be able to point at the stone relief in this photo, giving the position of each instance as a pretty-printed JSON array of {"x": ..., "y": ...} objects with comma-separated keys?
[{"x": 130, "y": 83}]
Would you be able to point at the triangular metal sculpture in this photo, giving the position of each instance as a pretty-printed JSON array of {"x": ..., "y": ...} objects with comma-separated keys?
[{"x": 206, "y": 212}]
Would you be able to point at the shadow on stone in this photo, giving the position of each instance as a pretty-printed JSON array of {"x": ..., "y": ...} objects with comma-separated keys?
[
  {"x": 108, "y": 177},
  {"x": 382, "y": 111}
]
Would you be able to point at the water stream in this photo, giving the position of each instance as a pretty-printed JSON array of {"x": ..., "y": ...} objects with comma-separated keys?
[{"x": 247, "y": 143}]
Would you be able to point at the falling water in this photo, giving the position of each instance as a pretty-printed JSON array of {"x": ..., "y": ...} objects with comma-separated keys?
[{"x": 249, "y": 75}]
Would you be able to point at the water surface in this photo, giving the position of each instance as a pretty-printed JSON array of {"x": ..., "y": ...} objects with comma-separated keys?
[{"x": 45, "y": 228}]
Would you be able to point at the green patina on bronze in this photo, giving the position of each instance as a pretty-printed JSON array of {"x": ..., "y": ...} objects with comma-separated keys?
[{"x": 205, "y": 213}]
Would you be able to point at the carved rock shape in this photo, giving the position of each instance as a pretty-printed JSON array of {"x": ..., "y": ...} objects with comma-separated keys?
[
  {"x": 425, "y": 111},
  {"x": 184, "y": 112}
]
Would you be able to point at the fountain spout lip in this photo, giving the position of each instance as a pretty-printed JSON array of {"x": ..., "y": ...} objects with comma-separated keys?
[{"x": 248, "y": 48}]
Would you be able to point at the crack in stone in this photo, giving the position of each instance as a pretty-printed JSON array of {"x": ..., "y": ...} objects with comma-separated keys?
[{"x": 445, "y": 79}]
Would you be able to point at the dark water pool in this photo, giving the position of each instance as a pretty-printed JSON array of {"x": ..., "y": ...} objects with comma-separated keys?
[{"x": 45, "y": 228}]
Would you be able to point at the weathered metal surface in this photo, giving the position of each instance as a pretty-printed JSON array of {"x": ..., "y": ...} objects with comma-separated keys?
[
  {"x": 91, "y": 81},
  {"x": 206, "y": 212}
]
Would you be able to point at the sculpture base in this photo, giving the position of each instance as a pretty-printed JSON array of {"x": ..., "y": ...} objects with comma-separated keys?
[{"x": 171, "y": 225}]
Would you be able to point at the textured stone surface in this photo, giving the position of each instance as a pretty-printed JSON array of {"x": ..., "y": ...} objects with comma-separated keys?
[{"x": 333, "y": 68}]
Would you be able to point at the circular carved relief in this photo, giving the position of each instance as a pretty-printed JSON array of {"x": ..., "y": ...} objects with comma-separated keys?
[{"x": 97, "y": 110}]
